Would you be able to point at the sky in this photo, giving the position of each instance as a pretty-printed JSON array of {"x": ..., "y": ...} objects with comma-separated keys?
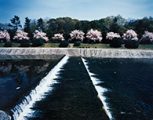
[{"x": 78, "y": 9}]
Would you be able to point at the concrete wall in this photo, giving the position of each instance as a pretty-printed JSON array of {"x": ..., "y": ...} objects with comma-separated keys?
[{"x": 84, "y": 52}]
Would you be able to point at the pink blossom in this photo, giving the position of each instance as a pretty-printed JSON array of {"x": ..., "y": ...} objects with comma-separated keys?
[
  {"x": 21, "y": 35},
  {"x": 77, "y": 35},
  {"x": 130, "y": 35},
  {"x": 112, "y": 35},
  {"x": 94, "y": 35},
  {"x": 40, "y": 35},
  {"x": 4, "y": 35},
  {"x": 58, "y": 36},
  {"x": 147, "y": 36}
]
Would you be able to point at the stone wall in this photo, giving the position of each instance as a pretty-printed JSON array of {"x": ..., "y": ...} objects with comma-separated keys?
[{"x": 83, "y": 52}]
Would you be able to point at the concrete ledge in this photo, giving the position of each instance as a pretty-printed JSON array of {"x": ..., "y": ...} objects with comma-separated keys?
[
  {"x": 83, "y": 52},
  {"x": 40, "y": 57}
]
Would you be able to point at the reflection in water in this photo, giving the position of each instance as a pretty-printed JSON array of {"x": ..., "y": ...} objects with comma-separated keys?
[
  {"x": 18, "y": 77},
  {"x": 5, "y": 68},
  {"x": 22, "y": 110}
]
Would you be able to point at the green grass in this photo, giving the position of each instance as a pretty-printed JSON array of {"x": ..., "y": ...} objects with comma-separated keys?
[
  {"x": 150, "y": 47},
  {"x": 83, "y": 45},
  {"x": 146, "y": 47},
  {"x": 52, "y": 45}
]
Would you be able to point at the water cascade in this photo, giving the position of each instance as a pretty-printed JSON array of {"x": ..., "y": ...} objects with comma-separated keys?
[
  {"x": 100, "y": 90},
  {"x": 23, "y": 109}
]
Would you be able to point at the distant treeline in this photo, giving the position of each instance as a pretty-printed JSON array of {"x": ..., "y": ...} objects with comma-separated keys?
[{"x": 65, "y": 25}]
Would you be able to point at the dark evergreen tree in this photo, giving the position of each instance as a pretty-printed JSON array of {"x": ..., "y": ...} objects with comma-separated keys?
[
  {"x": 118, "y": 25},
  {"x": 15, "y": 23},
  {"x": 40, "y": 24},
  {"x": 14, "y": 26},
  {"x": 27, "y": 27}
]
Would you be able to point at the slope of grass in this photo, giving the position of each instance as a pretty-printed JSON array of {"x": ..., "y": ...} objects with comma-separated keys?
[{"x": 83, "y": 45}]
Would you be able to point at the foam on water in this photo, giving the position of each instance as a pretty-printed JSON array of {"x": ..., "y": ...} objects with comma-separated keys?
[
  {"x": 22, "y": 110},
  {"x": 101, "y": 91}
]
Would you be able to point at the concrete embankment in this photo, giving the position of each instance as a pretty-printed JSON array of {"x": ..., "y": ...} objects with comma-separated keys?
[{"x": 83, "y": 52}]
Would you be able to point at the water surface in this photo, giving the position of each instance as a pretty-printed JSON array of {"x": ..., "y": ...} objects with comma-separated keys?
[
  {"x": 130, "y": 86},
  {"x": 18, "y": 77}
]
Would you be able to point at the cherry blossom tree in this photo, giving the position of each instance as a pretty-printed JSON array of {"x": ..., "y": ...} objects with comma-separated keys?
[
  {"x": 40, "y": 35},
  {"x": 58, "y": 37},
  {"x": 131, "y": 39},
  {"x": 77, "y": 35},
  {"x": 130, "y": 35},
  {"x": 21, "y": 35},
  {"x": 112, "y": 35},
  {"x": 4, "y": 36},
  {"x": 39, "y": 38},
  {"x": 94, "y": 36},
  {"x": 22, "y": 38},
  {"x": 114, "y": 39},
  {"x": 147, "y": 38}
]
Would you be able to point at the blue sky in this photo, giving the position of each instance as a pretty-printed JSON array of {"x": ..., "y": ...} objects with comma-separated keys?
[{"x": 79, "y": 9}]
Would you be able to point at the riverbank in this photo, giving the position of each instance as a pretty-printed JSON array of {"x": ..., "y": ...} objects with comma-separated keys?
[
  {"x": 83, "y": 45},
  {"x": 80, "y": 52}
]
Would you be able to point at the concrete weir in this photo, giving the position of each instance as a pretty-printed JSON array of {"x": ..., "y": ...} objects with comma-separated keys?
[{"x": 82, "y": 52}]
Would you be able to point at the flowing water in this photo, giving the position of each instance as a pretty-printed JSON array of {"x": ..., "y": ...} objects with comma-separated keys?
[
  {"x": 73, "y": 97},
  {"x": 23, "y": 110},
  {"x": 77, "y": 89}
]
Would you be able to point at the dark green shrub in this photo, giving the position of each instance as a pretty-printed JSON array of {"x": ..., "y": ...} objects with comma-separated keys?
[
  {"x": 64, "y": 43},
  {"x": 8, "y": 44},
  {"x": 2, "y": 40},
  {"x": 131, "y": 44},
  {"x": 116, "y": 42},
  {"x": 90, "y": 41},
  {"x": 146, "y": 41},
  {"x": 25, "y": 43},
  {"x": 85, "y": 40},
  {"x": 55, "y": 41},
  {"x": 77, "y": 43},
  {"x": 38, "y": 42}
]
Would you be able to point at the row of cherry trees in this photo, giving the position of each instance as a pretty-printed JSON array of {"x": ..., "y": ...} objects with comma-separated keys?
[
  {"x": 78, "y": 36},
  {"x": 94, "y": 36}
]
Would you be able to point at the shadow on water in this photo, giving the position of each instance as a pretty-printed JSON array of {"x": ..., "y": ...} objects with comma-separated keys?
[{"x": 74, "y": 97}]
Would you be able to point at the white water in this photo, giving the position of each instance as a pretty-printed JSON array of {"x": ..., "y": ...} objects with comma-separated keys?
[
  {"x": 100, "y": 90},
  {"x": 24, "y": 108}
]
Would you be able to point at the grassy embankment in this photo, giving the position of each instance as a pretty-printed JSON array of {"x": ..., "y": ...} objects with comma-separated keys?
[{"x": 83, "y": 45}]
